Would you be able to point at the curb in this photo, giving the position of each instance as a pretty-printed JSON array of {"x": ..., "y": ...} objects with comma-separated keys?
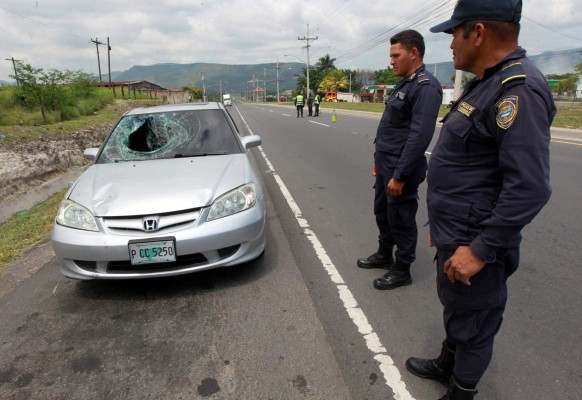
[{"x": 26, "y": 200}]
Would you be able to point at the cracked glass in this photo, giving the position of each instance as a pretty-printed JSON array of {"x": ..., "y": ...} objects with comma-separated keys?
[{"x": 170, "y": 134}]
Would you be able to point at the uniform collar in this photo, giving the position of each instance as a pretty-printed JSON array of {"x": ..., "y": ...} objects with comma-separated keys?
[
  {"x": 412, "y": 76},
  {"x": 516, "y": 54}
]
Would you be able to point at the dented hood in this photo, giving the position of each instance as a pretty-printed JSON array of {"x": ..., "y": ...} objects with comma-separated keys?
[{"x": 158, "y": 186}]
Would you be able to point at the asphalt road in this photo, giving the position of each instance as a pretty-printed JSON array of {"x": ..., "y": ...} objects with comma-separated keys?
[{"x": 302, "y": 322}]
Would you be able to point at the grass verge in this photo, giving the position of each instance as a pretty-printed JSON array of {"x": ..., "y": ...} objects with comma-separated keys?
[{"x": 26, "y": 228}]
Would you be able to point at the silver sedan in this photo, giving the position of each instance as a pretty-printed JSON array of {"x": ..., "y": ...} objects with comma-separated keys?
[{"x": 171, "y": 191}]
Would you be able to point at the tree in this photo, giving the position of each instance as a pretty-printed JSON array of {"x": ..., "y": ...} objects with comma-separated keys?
[
  {"x": 52, "y": 90},
  {"x": 385, "y": 77},
  {"x": 325, "y": 64},
  {"x": 578, "y": 69},
  {"x": 334, "y": 81},
  {"x": 322, "y": 67},
  {"x": 195, "y": 92}
]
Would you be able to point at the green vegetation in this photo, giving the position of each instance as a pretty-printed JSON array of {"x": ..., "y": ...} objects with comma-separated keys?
[
  {"x": 27, "y": 228},
  {"x": 54, "y": 96}
]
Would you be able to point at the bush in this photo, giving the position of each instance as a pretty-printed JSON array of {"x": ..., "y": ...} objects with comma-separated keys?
[{"x": 69, "y": 113}]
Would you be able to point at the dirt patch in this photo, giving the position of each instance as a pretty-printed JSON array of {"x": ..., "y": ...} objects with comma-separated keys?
[{"x": 26, "y": 165}]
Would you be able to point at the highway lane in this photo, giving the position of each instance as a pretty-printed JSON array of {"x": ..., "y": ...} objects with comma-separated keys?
[
  {"x": 325, "y": 167},
  {"x": 303, "y": 321}
]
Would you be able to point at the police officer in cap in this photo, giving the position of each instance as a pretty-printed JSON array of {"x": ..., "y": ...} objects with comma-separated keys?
[
  {"x": 403, "y": 135},
  {"x": 488, "y": 177}
]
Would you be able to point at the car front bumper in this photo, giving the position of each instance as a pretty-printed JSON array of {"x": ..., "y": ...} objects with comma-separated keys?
[{"x": 203, "y": 245}]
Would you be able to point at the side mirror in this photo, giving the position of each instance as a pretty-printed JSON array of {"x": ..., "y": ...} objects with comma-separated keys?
[
  {"x": 91, "y": 153},
  {"x": 251, "y": 141}
]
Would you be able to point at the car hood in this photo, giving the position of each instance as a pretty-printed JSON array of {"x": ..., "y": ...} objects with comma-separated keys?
[{"x": 158, "y": 186}]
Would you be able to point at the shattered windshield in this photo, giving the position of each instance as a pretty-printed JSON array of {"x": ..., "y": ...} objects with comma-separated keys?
[{"x": 170, "y": 135}]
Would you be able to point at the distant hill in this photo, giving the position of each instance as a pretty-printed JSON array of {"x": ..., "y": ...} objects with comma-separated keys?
[
  {"x": 236, "y": 79},
  {"x": 4, "y": 83},
  {"x": 549, "y": 62}
]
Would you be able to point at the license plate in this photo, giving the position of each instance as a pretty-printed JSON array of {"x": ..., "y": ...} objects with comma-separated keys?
[{"x": 161, "y": 251}]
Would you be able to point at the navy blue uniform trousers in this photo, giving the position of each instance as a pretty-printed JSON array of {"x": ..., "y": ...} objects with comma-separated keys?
[
  {"x": 396, "y": 216},
  {"x": 473, "y": 314}
]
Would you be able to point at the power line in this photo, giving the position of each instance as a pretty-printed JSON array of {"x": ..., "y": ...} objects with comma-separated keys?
[
  {"x": 432, "y": 12},
  {"x": 553, "y": 30},
  {"x": 42, "y": 23}
]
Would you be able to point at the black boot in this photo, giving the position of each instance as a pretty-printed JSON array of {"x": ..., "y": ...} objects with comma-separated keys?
[
  {"x": 440, "y": 369},
  {"x": 398, "y": 275},
  {"x": 376, "y": 260},
  {"x": 456, "y": 391}
]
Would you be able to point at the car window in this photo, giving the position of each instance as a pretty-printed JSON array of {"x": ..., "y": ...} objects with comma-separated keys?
[{"x": 170, "y": 135}]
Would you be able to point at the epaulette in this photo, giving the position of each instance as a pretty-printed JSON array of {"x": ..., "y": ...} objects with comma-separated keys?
[
  {"x": 512, "y": 71},
  {"x": 422, "y": 79}
]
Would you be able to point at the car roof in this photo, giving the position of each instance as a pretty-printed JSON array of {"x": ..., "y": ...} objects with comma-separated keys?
[{"x": 176, "y": 107}]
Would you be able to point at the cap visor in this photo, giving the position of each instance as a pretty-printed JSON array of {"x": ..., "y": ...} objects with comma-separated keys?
[{"x": 446, "y": 26}]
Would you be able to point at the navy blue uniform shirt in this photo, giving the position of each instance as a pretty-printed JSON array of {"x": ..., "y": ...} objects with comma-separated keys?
[
  {"x": 488, "y": 174},
  {"x": 407, "y": 125}
]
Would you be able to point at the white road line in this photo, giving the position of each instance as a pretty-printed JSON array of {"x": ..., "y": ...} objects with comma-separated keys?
[
  {"x": 355, "y": 133},
  {"x": 318, "y": 123},
  {"x": 287, "y": 115},
  {"x": 386, "y": 363}
]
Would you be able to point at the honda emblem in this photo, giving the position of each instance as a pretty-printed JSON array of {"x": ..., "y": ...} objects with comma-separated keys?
[{"x": 151, "y": 224}]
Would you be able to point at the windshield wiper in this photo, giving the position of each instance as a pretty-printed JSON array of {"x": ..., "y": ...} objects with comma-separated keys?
[{"x": 183, "y": 155}]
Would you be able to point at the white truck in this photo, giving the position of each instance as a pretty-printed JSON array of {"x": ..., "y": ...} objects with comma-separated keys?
[
  {"x": 340, "y": 96},
  {"x": 226, "y": 100}
]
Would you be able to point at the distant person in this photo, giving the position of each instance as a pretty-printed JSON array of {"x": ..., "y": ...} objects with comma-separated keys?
[
  {"x": 299, "y": 104},
  {"x": 316, "y": 101},
  {"x": 403, "y": 135},
  {"x": 310, "y": 105},
  {"x": 488, "y": 177}
]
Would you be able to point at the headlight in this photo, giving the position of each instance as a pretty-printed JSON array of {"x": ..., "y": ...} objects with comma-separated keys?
[
  {"x": 76, "y": 216},
  {"x": 237, "y": 200}
]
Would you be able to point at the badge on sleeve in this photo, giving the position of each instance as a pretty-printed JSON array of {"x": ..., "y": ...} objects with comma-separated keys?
[{"x": 506, "y": 111}]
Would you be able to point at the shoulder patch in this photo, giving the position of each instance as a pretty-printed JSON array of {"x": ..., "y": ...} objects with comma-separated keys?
[
  {"x": 423, "y": 78},
  {"x": 512, "y": 71},
  {"x": 506, "y": 111}
]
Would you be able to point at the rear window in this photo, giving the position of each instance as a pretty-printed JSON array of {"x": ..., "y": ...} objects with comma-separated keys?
[{"x": 170, "y": 135}]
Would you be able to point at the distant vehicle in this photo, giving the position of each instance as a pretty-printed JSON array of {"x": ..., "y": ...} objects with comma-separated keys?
[
  {"x": 226, "y": 100},
  {"x": 171, "y": 191},
  {"x": 339, "y": 96}
]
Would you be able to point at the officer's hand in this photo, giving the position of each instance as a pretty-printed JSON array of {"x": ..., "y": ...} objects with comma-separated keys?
[
  {"x": 463, "y": 265},
  {"x": 374, "y": 170},
  {"x": 395, "y": 187}
]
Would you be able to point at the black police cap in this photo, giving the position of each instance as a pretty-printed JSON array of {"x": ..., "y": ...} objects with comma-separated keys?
[{"x": 495, "y": 10}]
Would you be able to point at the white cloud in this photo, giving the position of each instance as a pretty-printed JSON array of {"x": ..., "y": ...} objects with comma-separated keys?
[{"x": 57, "y": 33}]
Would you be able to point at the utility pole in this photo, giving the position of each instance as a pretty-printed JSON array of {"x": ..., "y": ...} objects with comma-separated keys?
[
  {"x": 204, "y": 97},
  {"x": 458, "y": 83},
  {"x": 278, "y": 97},
  {"x": 308, "y": 45},
  {"x": 15, "y": 71},
  {"x": 97, "y": 43},
  {"x": 265, "y": 85},
  {"x": 109, "y": 66}
]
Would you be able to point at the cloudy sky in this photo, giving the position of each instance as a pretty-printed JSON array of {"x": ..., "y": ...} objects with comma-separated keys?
[{"x": 58, "y": 33}]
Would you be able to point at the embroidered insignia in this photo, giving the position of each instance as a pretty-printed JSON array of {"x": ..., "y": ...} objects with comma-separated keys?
[
  {"x": 465, "y": 108},
  {"x": 401, "y": 95},
  {"x": 422, "y": 78},
  {"x": 506, "y": 111}
]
